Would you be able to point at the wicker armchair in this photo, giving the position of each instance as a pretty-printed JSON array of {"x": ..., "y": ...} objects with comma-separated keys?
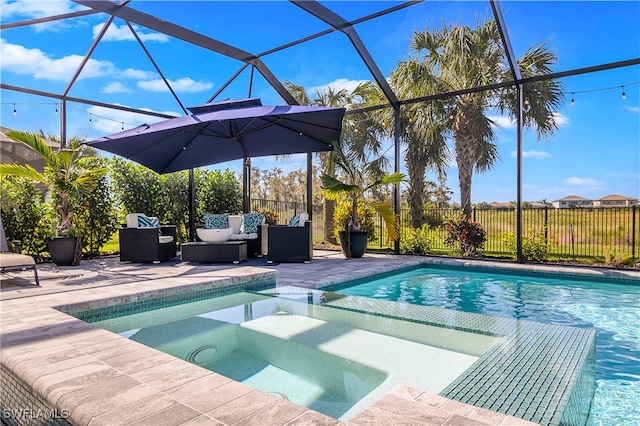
[
  {"x": 290, "y": 243},
  {"x": 144, "y": 244}
]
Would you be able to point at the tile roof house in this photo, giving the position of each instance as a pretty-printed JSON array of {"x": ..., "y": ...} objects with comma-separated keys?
[
  {"x": 615, "y": 200},
  {"x": 572, "y": 201}
]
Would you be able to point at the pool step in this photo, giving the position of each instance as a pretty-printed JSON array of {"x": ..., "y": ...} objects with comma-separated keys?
[{"x": 406, "y": 406}]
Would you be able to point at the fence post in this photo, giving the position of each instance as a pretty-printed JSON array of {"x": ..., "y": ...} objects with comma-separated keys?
[{"x": 633, "y": 232}]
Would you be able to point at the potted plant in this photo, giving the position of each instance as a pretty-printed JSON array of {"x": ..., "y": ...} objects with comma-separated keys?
[
  {"x": 67, "y": 177},
  {"x": 358, "y": 184}
]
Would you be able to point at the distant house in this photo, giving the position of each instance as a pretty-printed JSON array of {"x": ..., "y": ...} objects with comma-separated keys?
[
  {"x": 537, "y": 205},
  {"x": 501, "y": 206},
  {"x": 615, "y": 200},
  {"x": 572, "y": 201}
]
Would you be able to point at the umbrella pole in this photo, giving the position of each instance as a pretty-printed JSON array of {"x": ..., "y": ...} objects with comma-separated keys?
[
  {"x": 192, "y": 207},
  {"x": 246, "y": 185}
]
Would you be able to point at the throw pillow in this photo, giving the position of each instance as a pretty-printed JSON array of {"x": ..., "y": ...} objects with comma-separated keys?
[
  {"x": 251, "y": 222},
  {"x": 216, "y": 221},
  {"x": 295, "y": 221},
  {"x": 149, "y": 222}
]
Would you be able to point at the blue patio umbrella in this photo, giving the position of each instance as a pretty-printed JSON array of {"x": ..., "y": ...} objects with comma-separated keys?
[{"x": 223, "y": 131}]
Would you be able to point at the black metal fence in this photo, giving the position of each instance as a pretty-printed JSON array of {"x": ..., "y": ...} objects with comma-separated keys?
[{"x": 572, "y": 233}]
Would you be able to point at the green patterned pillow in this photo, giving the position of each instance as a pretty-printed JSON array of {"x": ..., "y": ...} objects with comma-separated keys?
[
  {"x": 251, "y": 222},
  {"x": 216, "y": 221}
]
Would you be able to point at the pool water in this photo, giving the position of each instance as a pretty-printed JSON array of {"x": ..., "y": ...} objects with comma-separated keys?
[
  {"x": 270, "y": 343},
  {"x": 613, "y": 309}
]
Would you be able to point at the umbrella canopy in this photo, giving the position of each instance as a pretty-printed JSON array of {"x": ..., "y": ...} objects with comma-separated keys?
[{"x": 224, "y": 131}]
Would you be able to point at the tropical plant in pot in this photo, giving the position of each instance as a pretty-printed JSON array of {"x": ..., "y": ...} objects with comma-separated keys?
[
  {"x": 358, "y": 183},
  {"x": 68, "y": 177}
]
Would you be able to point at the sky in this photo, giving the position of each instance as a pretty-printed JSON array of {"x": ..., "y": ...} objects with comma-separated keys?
[{"x": 594, "y": 153}]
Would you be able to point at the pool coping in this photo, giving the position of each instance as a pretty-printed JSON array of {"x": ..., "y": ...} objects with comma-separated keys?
[{"x": 65, "y": 361}]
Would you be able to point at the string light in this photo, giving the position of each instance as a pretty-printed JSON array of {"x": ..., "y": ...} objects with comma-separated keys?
[
  {"x": 624, "y": 95},
  {"x": 56, "y": 109},
  {"x": 573, "y": 102},
  {"x": 14, "y": 110}
]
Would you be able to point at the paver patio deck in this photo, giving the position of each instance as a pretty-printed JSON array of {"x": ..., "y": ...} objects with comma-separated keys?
[{"x": 101, "y": 378}]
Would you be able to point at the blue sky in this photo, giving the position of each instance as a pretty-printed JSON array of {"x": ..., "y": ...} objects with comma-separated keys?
[{"x": 596, "y": 151}]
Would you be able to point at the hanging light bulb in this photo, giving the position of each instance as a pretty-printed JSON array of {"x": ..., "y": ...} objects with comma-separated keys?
[
  {"x": 90, "y": 118},
  {"x": 56, "y": 109},
  {"x": 624, "y": 95},
  {"x": 122, "y": 128},
  {"x": 14, "y": 110},
  {"x": 573, "y": 102},
  {"x": 526, "y": 101}
]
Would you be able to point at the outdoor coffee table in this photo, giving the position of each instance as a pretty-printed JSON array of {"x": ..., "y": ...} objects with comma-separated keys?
[{"x": 228, "y": 251}]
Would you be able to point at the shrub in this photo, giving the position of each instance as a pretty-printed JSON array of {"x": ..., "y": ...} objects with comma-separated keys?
[
  {"x": 535, "y": 246},
  {"x": 271, "y": 217},
  {"x": 96, "y": 217},
  {"x": 218, "y": 192},
  {"x": 25, "y": 216},
  {"x": 417, "y": 241},
  {"x": 366, "y": 216},
  {"x": 469, "y": 235}
]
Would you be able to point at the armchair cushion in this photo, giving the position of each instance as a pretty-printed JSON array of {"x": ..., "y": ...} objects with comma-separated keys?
[
  {"x": 216, "y": 221},
  {"x": 251, "y": 222},
  {"x": 299, "y": 220}
]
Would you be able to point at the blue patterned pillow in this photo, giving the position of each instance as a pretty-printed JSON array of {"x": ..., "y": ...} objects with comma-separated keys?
[
  {"x": 149, "y": 222},
  {"x": 216, "y": 221},
  {"x": 251, "y": 222},
  {"x": 295, "y": 221}
]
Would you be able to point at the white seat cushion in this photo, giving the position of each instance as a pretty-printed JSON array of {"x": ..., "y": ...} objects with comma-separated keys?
[
  {"x": 251, "y": 236},
  {"x": 234, "y": 222},
  {"x": 163, "y": 239}
]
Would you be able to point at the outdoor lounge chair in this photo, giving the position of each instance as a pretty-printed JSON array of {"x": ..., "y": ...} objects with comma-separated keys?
[
  {"x": 144, "y": 243},
  {"x": 290, "y": 244},
  {"x": 12, "y": 261}
]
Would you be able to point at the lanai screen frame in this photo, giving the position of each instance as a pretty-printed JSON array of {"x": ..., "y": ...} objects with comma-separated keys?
[{"x": 337, "y": 24}]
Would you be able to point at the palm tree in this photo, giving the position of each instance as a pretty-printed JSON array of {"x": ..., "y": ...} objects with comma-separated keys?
[
  {"x": 458, "y": 57},
  {"x": 358, "y": 179},
  {"x": 359, "y": 133},
  {"x": 65, "y": 174}
]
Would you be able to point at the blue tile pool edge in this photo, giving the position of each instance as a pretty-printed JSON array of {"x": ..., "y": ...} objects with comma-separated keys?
[
  {"x": 113, "y": 307},
  {"x": 476, "y": 265}
]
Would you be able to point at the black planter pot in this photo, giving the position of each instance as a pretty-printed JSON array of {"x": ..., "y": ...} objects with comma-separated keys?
[
  {"x": 65, "y": 251},
  {"x": 358, "y": 243}
]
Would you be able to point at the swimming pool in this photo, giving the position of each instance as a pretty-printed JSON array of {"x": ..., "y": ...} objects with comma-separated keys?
[
  {"x": 269, "y": 342},
  {"x": 611, "y": 306},
  {"x": 356, "y": 349}
]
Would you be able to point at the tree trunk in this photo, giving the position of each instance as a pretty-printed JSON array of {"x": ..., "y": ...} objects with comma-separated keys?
[
  {"x": 465, "y": 134},
  {"x": 416, "y": 195},
  {"x": 329, "y": 210}
]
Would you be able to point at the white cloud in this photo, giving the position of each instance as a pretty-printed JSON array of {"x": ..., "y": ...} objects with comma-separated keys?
[
  {"x": 39, "y": 9},
  {"x": 123, "y": 33},
  {"x": 584, "y": 182},
  {"x": 36, "y": 9},
  {"x": 134, "y": 74},
  {"x": 21, "y": 60},
  {"x": 337, "y": 85},
  {"x": 108, "y": 121},
  {"x": 35, "y": 62},
  {"x": 531, "y": 154},
  {"x": 183, "y": 85},
  {"x": 502, "y": 121},
  {"x": 560, "y": 119},
  {"x": 633, "y": 109},
  {"x": 115, "y": 87}
]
